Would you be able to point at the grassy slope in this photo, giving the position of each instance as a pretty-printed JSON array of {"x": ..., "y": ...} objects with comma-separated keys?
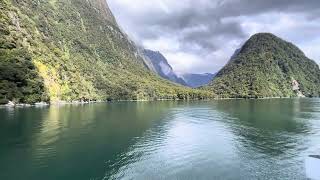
[
  {"x": 67, "y": 50},
  {"x": 265, "y": 67}
]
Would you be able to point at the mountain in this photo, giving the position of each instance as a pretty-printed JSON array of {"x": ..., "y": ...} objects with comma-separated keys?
[
  {"x": 159, "y": 64},
  {"x": 267, "y": 66},
  {"x": 198, "y": 80},
  {"x": 68, "y": 50}
]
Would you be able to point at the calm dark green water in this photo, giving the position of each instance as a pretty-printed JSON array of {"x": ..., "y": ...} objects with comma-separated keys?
[{"x": 229, "y": 139}]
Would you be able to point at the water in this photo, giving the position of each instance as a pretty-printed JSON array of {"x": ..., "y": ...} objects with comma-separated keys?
[{"x": 227, "y": 139}]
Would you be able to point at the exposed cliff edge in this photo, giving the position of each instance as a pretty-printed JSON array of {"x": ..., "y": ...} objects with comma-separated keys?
[{"x": 159, "y": 64}]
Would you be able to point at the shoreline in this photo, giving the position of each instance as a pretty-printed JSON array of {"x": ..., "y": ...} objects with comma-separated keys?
[{"x": 62, "y": 103}]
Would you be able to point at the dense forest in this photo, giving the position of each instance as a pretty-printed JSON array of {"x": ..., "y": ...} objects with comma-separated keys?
[
  {"x": 73, "y": 50},
  {"x": 266, "y": 66},
  {"x": 67, "y": 50}
]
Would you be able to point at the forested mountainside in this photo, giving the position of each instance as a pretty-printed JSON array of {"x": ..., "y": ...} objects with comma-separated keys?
[
  {"x": 267, "y": 66},
  {"x": 53, "y": 50},
  {"x": 159, "y": 64}
]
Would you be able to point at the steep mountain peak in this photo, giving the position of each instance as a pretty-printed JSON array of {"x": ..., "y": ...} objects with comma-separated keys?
[
  {"x": 262, "y": 42},
  {"x": 157, "y": 56},
  {"x": 264, "y": 34},
  {"x": 73, "y": 50},
  {"x": 267, "y": 66},
  {"x": 159, "y": 64}
]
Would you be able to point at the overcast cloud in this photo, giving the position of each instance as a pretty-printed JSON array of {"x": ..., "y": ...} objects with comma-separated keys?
[{"x": 200, "y": 36}]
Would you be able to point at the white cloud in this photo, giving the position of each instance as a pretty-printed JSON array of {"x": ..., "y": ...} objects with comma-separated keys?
[
  {"x": 162, "y": 44},
  {"x": 200, "y": 36},
  {"x": 312, "y": 48},
  {"x": 184, "y": 62}
]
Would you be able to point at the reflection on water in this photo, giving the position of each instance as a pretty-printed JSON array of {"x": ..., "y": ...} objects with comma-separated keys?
[
  {"x": 229, "y": 139},
  {"x": 271, "y": 126}
]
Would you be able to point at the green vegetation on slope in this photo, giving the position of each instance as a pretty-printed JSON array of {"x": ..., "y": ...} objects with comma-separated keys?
[
  {"x": 73, "y": 50},
  {"x": 266, "y": 67}
]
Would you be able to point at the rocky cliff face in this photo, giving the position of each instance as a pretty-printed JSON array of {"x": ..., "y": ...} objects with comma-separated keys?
[
  {"x": 265, "y": 67},
  {"x": 159, "y": 64}
]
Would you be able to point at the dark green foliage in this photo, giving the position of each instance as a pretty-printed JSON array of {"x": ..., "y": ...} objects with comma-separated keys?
[
  {"x": 73, "y": 50},
  {"x": 265, "y": 67},
  {"x": 19, "y": 80}
]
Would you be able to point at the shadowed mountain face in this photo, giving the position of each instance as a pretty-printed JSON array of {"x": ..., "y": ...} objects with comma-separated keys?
[
  {"x": 159, "y": 64},
  {"x": 198, "y": 80},
  {"x": 267, "y": 66},
  {"x": 72, "y": 50}
]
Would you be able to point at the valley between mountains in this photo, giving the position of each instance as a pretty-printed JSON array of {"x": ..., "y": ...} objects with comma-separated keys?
[{"x": 74, "y": 50}]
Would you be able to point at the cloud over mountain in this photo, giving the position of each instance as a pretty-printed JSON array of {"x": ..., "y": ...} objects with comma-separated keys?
[{"x": 200, "y": 36}]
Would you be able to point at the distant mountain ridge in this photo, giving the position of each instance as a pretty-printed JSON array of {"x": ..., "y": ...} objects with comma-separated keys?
[
  {"x": 198, "y": 80},
  {"x": 159, "y": 64},
  {"x": 267, "y": 66}
]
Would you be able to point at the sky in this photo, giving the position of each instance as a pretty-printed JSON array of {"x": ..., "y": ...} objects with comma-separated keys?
[{"x": 200, "y": 36}]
